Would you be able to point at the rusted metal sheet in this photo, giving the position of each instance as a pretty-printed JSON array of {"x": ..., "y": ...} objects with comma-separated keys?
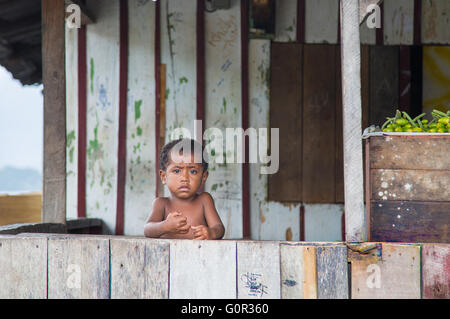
[
  {"x": 194, "y": 273},
  {"x": 410, "y": 152},
  {"x": 298, "y": 271},
  {"x": 23, "y": 268},
  {"x": 410, "y": 221},
  {"x": 140, "y": 173},
  {"x": 78, "y": 267},
  {"x": 102, "y": 41},
  {"x": 139, "y": 269},
  {"x": 332, "y": 272},
  {"x": 258, "y": 270},
  {"x": 436, "y": 271},
  {"x": 394, "y": 274},
  {"x": 417, "y": 185}
]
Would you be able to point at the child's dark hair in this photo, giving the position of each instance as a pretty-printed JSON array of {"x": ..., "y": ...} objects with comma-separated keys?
[{"x": 164, "y": 157}]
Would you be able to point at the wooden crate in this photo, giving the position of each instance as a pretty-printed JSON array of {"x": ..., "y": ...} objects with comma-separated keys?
[
  {"x": 15, "y": 209},
  {"x": 408, "y": 188}
]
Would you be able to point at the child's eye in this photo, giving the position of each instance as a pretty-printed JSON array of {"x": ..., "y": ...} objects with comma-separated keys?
[
  {"x": 176, "y": 170},
  {"x": 193, "y": 171}
]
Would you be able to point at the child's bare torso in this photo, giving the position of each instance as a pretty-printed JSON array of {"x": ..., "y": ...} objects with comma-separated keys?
[{"x": 193, "y": 210}]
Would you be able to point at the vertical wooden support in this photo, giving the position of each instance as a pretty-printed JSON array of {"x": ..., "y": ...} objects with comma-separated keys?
[
  {"x": 352, "y": 115},
  {"x": 54, "y": 79}
]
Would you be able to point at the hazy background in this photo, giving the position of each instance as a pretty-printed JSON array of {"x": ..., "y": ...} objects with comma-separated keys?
[{"x": 21, "y": 135}]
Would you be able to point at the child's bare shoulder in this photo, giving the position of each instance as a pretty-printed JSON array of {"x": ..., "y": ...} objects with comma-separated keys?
[
  {"x": 206, "y": 197},
  {"x": 160, "y": 202}
]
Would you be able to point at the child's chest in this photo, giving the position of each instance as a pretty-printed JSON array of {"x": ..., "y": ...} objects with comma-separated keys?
[{"x": 193, "y": 211}]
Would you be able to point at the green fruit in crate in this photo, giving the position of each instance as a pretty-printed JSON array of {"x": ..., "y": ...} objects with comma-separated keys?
[
  {"x": 444, "y": 120},
  {"x": 442, "y": 130},
  {"x": 432, "y": 130},
  {"x": 398, "y": 129},
  {"x": 402, "y": 121},
  {"x": 417, "y": 129},
  {"x": 424, "y": 121}
]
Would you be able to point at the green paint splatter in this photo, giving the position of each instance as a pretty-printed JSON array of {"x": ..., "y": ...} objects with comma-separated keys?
[
  {"x": 224, "y": 106},
  {"x": 167, "y": 93},
  {"x": 137, "y": 110},
  {"x": 139, "y": 131},
  {"x": 92, "y": 75},
  {"x": 214, "y": 187},
  {"x": 71, "y": 154},
  {"x": 183, "y": 80},
  {"x": 94, "y": 145},
  {"x": 70, "y": 138}
]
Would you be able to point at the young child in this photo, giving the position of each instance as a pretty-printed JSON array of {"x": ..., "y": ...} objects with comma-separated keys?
[{"x": 185, "y": 213}]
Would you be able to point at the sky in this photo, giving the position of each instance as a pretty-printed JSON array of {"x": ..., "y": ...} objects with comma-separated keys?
[{"x": 21, "y": 123}]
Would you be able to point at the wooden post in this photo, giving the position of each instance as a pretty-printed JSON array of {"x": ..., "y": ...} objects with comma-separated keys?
[
  {"x": 54, "y": 79},
  {"x": 352, "y": 116}
]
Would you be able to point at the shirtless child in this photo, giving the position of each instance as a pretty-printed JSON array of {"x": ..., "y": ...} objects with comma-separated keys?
[{"x": 185, "y": 213}]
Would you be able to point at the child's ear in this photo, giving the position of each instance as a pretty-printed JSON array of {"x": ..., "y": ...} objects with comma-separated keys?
[
  {"x": 204, "y": 177},
  {"x": 162, "y": 175}
]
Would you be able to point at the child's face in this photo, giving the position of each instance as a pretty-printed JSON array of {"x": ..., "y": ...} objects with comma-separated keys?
[{"x": 182, "y": 176}]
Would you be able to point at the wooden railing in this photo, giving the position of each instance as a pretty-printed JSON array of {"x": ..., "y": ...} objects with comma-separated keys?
[{"x": 91, "y": 266}]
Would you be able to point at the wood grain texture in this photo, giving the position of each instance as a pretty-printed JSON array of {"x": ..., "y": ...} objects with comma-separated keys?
[
  {"x": 436, "y": 271},
  {"x": 78, "y": 267},
  {"x": 23, "y": 268},
  {"x": 286, "y": 113},
  {"x": 139, "y": 269},
  {"x": 298, "y": 272},
  {"x": 410, "y": 152},
  {"x": 396, "y": 275},
  {"x": 54, "y": 80},
  {"x": 417, "y": 185},
  {"x": 332, "y": 273},
  {"x": 20, "y": 209},
  {"x": 319, "y": 115},
  {"x": 202, "y": 269},
  {"x": 410, "y": 221},
  {"x": 258, "y": 270}
]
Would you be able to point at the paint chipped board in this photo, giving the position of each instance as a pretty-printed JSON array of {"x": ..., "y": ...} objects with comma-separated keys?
[
  {"x": 140, "y": 174},
  {"x": 268, "y": 220},
  {"x": 258, "y": 270},
  {"x": 323, "y": 222},
  {"x": 435, "y": 22},
  {"x": 321, "y": 21},
  {"x": 398, "y": 27},
  {"x": 435, "y": 271},
  {"x": 414, "y": 185},
  {"x": 194, "y": 271},
  {"x": 332, "y": 272},
  {"x": 139, "y": 269},
  {"x": 78, "y": 267},
  {"x": 223, "y": 110},
  {"x": 71, "y": 122},
  {"x": 367, "y": 34},
  {"x": 298, "y": 271},
  {"x": 286, "y": 71},
  {"x": 396, "y": 275},
  {"x": 399, "y": 152},
  {"x": 178, "y": 52},
  {"x": 410, "y": 221},
  {"x": 286, "y": 21},
  {"x": 319, "y": 106},
  {"x": 102, "y": 42},
  {"x": 23, "y": 268}
]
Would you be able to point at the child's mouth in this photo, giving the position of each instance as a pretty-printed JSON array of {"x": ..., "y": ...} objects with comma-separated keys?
[{"x": 183, "y": 189}]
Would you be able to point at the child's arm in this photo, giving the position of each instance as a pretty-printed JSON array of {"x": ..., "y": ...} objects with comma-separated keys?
[
  {"x": 215, "y": 228},
  {"x": 156, "y": 226}
]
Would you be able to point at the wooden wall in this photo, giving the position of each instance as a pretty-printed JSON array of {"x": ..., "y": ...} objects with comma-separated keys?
[
  {"x": 222, "y": 107},
  {"x": 38, "y": 266}
]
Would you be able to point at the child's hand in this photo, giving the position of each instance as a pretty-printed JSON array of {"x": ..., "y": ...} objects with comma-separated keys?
[
  {"x": 202, "y": 232},
  {"x": 177, "y": 223}
]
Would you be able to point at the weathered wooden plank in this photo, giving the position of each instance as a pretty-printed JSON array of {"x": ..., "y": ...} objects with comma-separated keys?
[
  {"x": 139, "y": 269},
  {"x": 410, "y": 221},
  {"x": 321, "y": 21},
  {"x": 384, "y": 82},
  {"x": 417, "y": 185},
  {"x": 339, "y": 177},
  {"x": 140, "y": 176},
  {"x": 23, "y": 268},
  {"x": 395, "y": 276},
  {"x": 409, "y": 152},
  {"x": 285, "y": 21},
  {"x": 78, "y": 267},
  {"x": 258, "y": 270},
  {"x": 194, "y": 271},
  {"x": 54, "y": 79},
  {"x": 298, "y": 272},
  {"x": 323, "y": 222},
  {"x": 285, "y": 114},
  {"x": 435, "y": 22},
  {"x": 436, "y": 271},
  {"x": 398, "y": 25},
  {"x": 332, "y": 272},
  {"x": 319, "y": 107}
]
